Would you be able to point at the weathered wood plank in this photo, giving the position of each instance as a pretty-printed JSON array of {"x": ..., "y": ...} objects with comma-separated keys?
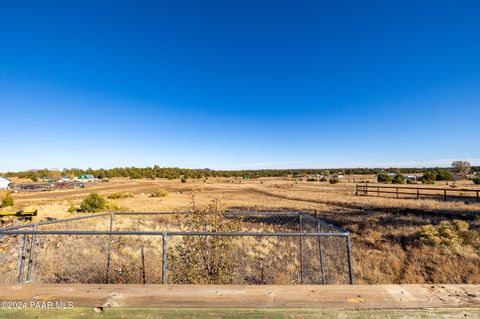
[
  {"x": 228, "y": 313},
  {"x": 233, "y": 296}
]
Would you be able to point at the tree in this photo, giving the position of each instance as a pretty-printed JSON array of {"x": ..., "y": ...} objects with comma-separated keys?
[
  {"x": 334, "y": 181},
  {"x": 55, "y": 175},
  {"x": 101, "y": 174},
  {"x": 383, "y": 178},
  {"x": 444, "y": 175},
  {"x": 429, "y": 177},
  {"x": 462, "y": 167},
  {"x": 398, "y": 179}
]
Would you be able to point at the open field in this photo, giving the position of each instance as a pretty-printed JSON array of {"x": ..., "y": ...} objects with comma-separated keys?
[{"x": 385, "y": 243}]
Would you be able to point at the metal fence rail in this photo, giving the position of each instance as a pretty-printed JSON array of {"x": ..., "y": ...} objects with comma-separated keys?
[
  {"x": 417, "y": 192},
  {"x": 280, "y": 247}
]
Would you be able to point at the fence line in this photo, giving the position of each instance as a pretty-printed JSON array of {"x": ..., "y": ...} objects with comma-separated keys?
[
  {"x": 304, "y": 231},
  {"x": 399, "y": 192}
]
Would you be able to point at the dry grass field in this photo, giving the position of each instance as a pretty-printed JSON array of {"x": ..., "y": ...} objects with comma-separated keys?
[{"x": 385, "y": 231}]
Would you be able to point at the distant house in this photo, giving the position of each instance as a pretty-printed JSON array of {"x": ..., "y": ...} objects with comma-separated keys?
[
  {"x": 86, "y": 178},
  {"x": 412, "y": 178},
  {"x": 339, "y": 176},
  {"x": 64, "y": 179},
  {"x": 392, "y": 174},
  {"x": 46, "y": 179},
  {"x": 4, "y": 182},
  {"x": 474, "y": 175}
]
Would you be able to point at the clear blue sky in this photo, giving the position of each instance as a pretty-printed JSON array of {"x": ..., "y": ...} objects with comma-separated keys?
[{"x": 239, "y": 84}]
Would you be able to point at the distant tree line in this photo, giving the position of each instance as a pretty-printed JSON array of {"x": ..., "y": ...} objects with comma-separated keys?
[
  {"x": 175, "y": 173},
  {"x": 463, "y": 168}
]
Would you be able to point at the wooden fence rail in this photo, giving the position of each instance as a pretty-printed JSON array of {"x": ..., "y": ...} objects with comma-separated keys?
[{"x": 417, "y": 192}]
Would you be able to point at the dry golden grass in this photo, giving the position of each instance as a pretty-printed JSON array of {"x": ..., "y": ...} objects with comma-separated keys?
[{"x": 383, "y": 229}]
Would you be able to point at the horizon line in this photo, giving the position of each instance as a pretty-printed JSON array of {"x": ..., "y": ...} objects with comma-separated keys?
[{"x": 327, "y": 167}]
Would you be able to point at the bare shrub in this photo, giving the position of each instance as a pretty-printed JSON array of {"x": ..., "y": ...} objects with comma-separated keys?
[
  {"x": 205, "y": 259},
  {"x": 160, "y": 192},
  {"x": 120, "y": 195},
  {"x": 72, "y": 208},
  {"x": 449, "y": 234},
  {"x": 93, "y": 203},
  {"x": 8, "y": 200}
]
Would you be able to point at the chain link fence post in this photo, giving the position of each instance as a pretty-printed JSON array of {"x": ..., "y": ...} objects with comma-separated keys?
[
  {"x": 109, "y": 248},
  {"x": 301, "y": 248},
  {"x": 349, "y": 256},
  {"x": 22, "y": 259},
  {"x": 320, "y": 248},
  {"x": 164, "y": 258},
  {"x": 32, "y": 251}
]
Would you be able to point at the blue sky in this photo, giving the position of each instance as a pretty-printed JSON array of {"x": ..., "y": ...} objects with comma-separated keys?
[{"x": 239, "y": 84}]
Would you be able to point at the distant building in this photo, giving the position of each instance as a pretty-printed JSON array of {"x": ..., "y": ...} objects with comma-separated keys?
[
  {"x": 86, "y": 178},
  {"x": 46, "y": 179},
  {"x": 474, "y": 175},
  {"x": 392, "y": 174},
  {"x": 64, "y": 179},
  {"x": 4, "y": 183},
  {"x": 412, "y": 178},
  {"x": 339, "y": 176}
]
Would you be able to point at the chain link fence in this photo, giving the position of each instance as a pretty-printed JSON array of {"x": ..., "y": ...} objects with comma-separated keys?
[{"x": 178, "y": 248}]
